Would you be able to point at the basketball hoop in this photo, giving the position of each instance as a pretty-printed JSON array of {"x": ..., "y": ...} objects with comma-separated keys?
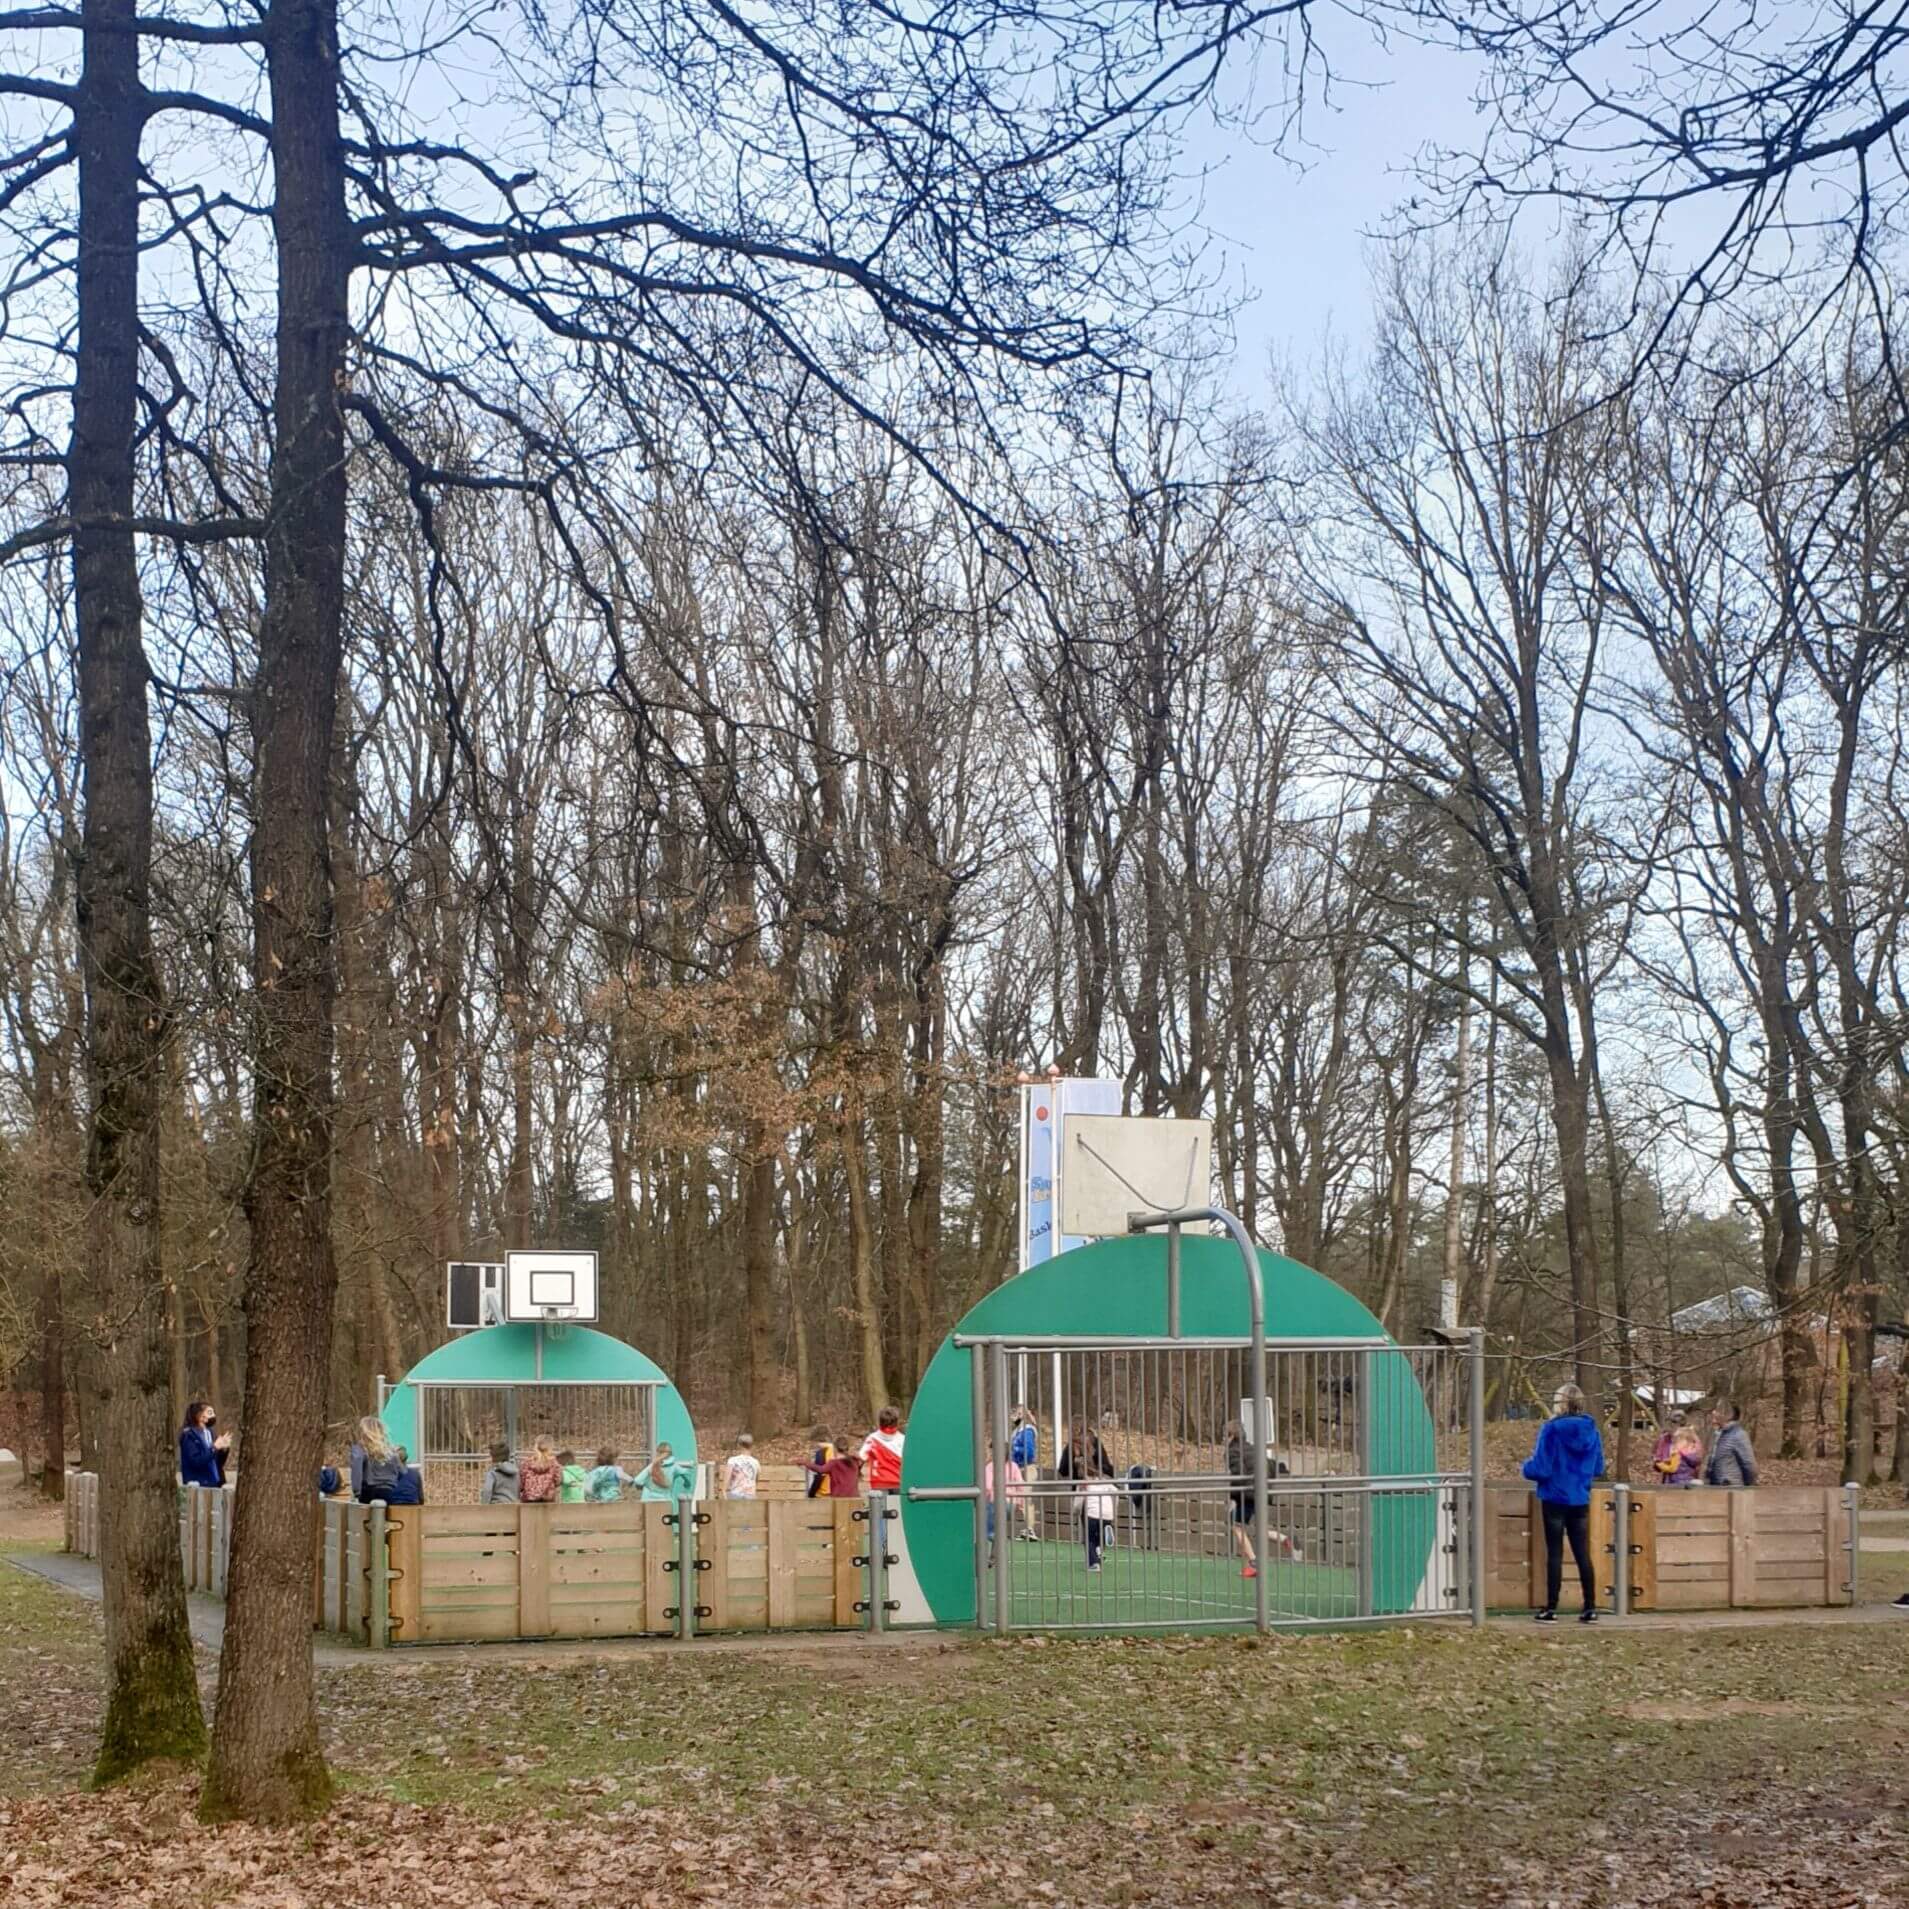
[{"x": 556, "y": 1319}]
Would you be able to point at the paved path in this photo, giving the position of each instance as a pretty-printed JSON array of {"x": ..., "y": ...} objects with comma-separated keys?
[{"x": 81, "y": 1576}]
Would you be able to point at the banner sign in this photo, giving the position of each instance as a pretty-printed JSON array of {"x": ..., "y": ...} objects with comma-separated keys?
[{"x": 1045, "y": 1106}]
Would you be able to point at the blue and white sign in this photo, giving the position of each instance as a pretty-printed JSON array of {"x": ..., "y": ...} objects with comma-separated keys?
[{"x": 1045, "y": 1107}]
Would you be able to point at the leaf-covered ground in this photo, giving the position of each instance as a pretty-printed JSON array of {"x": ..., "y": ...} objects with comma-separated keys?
[{"x": 1709, "y": 1769}]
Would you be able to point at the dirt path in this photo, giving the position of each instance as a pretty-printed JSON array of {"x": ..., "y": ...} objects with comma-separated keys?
[{"x": 25, "y": 1517}]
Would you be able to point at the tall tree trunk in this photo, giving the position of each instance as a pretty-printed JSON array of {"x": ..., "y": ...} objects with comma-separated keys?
[
  {"x": 925, "y": 1194},
  {"x": 861, "y": 1259},
  {"x": 152, "y": 1697},
  {"x": 53, "y": 1133},
  {"x": 1614, "y": 1178},
  {"x": 1571, "y": 1124},
  {"x": 357, "y": 1164},
  {"x": 1245, "y": 1109},
  {"x": 267, "y": 1763},
  {"x": 519, "y": 1011},
  {"x": 53, "y": 1382},
  {"x": 1455, "y": 1184}
]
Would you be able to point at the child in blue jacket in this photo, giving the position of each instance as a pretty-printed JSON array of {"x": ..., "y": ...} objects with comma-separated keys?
[{"x": 1568, "y": 1455}]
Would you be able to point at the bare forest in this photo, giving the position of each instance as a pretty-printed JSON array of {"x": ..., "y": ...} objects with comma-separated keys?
[{"x": 604, "y": 640}]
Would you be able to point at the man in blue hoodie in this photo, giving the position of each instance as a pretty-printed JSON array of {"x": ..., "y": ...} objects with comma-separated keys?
[{"x": 1568, "y": 1455}]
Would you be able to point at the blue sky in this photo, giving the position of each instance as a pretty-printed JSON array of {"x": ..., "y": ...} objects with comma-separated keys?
[{"x": 1294, "y": 225}]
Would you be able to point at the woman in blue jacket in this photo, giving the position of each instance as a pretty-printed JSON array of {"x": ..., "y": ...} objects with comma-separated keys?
[
  {"x": 201, "y": 1456},
  {"x": 1568, "y": 1455}
]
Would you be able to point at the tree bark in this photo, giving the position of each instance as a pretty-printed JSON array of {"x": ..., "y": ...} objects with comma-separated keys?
[
  {"x": 267, "y": 1763},
  {"x": 152, "y": 1697},
  {"x": 1455, "y": 1184},
  {"x": 861, "y": 1255},
  {"x": 53, "y": 1383}
]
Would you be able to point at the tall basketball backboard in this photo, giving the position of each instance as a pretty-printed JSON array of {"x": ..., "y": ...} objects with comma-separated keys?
[
  {"x": 552, "y": 1287},
  {"x": 1113, "y": 1166}
]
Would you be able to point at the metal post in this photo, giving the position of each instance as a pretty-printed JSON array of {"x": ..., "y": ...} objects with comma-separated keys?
[
  {"x": 1853, "y": 1506},
  {"x": 685, "y": 1565},
  {"x": 977, "y": 1412},
  {"x": 1057, "y": 1373},
  {"x": 379, "y": 1395},
  {"x": 998, "y": 1510},
  {"x": 1173, "y": 1283},
  {"x": 1621, "y": 1545},
  {"x": 1481, "y": 1530},
  {"x": 1369, "y": 1505},
  {"x": 877, "y": 1561},
  {"x": 379, "y": 1565},
  {"x": 1256, "y": 1372}
]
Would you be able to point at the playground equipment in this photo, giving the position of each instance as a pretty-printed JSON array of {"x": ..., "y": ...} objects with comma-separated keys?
[
  {"x": 1257, "y": 1449},
  {"x": 1367, "y": 1496},
  {"x": 518, "y": 1382}
]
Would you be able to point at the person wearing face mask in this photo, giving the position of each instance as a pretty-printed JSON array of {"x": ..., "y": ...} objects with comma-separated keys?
[{"x": 202, "y": 1447}]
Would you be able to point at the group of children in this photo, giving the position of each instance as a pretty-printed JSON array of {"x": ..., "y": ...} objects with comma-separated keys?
[
  {"x": 836, "y": 1471},
  {"x": 382, "y": 1473},
  {"x": 546, "y": 1476}
]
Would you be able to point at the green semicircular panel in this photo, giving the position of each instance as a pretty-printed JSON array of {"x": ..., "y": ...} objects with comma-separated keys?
[
  {"x": 1117, "y": 1288},
  {"x": 507, "y": 1355}
]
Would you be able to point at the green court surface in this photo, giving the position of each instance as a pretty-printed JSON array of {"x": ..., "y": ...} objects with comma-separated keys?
[{"x": 1050, "y": 1587}]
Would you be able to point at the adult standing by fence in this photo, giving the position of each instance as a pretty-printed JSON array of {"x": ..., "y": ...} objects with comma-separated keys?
[
  {"x": 376, "y": 1467},
  {"x": 1567, "y": 1456},
  {"x": 1679, "y": 1458},
  {"x": 202, "y": 1450},
  {"x": 1732, "y": 1461}
]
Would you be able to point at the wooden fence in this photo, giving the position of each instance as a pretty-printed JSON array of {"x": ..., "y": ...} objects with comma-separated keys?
[
  {"x": 455, "y": 1573},
  {"x": 1692, "y": 1550},
  {"x": 461, "y": 1572},
  {"x": 82, "y": 1513}
]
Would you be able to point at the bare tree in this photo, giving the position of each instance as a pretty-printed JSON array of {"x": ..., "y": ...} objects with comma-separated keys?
[{"x": 1464, "y": 480}]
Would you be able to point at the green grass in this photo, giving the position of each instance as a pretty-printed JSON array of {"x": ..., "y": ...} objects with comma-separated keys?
[
  {"x": 1417, "y": 1765},
  {"x": 1051, "y": 1586}
]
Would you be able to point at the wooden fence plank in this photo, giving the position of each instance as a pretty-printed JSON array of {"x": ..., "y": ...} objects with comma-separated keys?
[
  {"x": 1835, "y": 1558},
  {"x": 848, "y": 1580},
  {"x": 404, "y": 1555},
  {"x": 1743, "y": 1563},
  {"x": 779, "y": 1561},
  {"x": 712, "y": 1587},
  {"x": 659, "y": 1548},
  {"x": 1644, "y": 1505},
  {"x": 533, "y": 1571}
]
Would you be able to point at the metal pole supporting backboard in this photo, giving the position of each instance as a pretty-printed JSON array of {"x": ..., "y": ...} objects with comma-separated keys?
[{"x": 1256, "y": 1373}]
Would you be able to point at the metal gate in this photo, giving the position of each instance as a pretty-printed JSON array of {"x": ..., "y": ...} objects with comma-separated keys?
[{"x": 1117, "y": 1490}]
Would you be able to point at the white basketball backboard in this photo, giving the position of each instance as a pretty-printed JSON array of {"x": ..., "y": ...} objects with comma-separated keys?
[
  {"x": 1114, "y": 1166},
  {"x": 550, "y": 1286}
]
